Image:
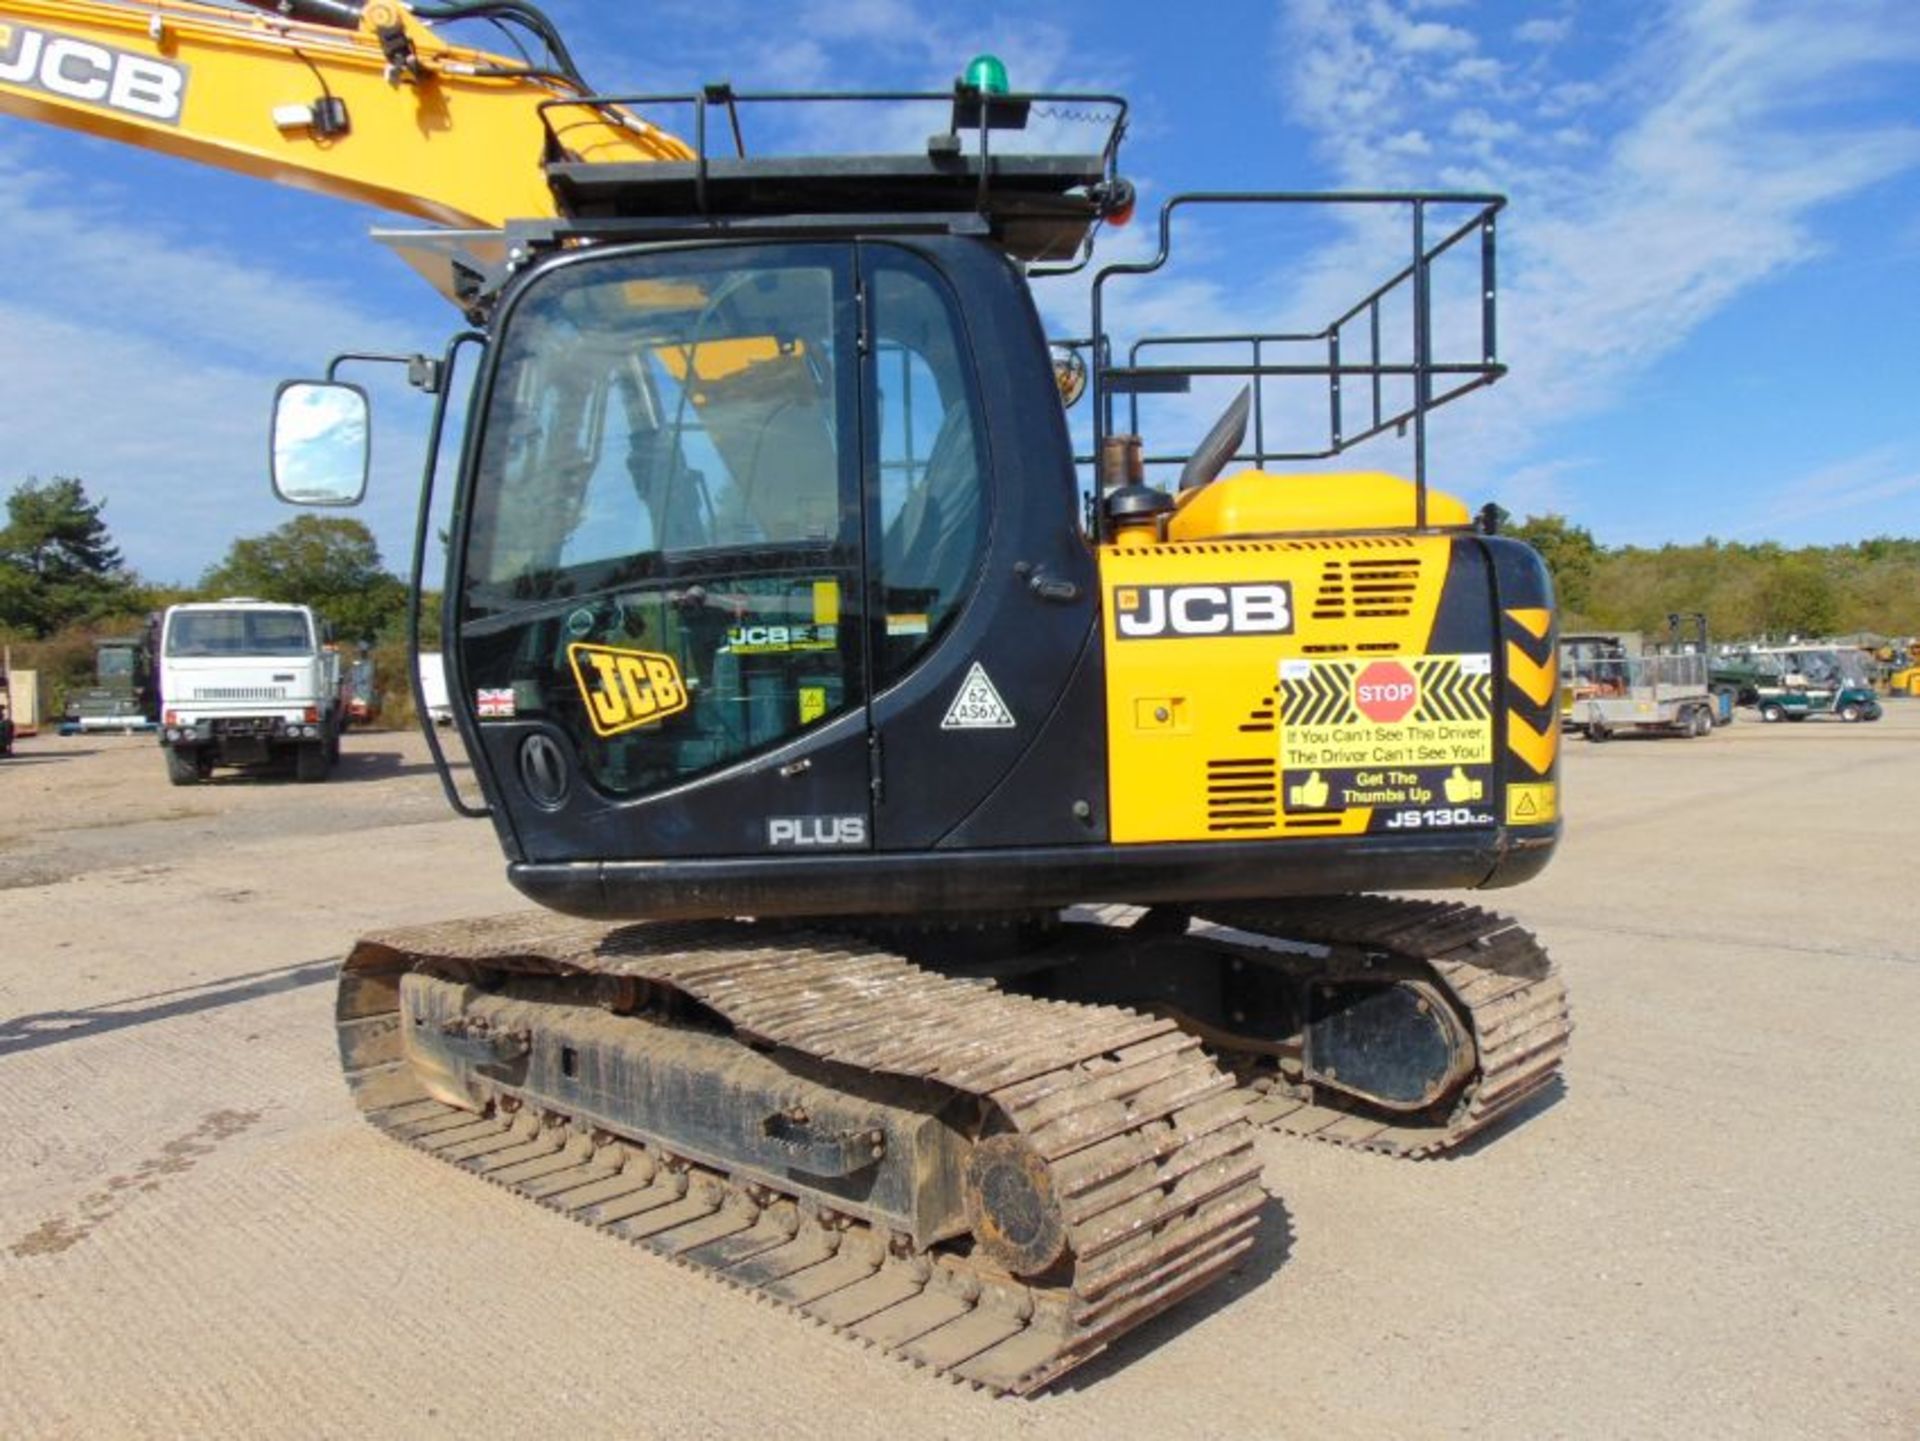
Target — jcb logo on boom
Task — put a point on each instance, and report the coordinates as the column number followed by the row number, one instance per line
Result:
column 626, row 688
column 1149, row 612
column 95, row 74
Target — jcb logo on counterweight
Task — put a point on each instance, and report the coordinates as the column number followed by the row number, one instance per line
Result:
column 80, row 70
column 626, row 688
column 1150, row 612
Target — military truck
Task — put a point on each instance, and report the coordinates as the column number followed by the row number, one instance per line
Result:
column 123, row 696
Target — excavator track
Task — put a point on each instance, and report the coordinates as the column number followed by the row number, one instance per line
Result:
column 1139, row 1142
column 1491, row 968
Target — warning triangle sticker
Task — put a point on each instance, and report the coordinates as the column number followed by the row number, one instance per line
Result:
column 1525, row 806
column 978, row 706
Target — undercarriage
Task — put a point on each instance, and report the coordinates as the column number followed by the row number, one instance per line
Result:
column 991, row 1151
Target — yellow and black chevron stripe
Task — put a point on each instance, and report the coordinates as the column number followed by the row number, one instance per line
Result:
column 1324, row 696
column 1532, row 693
column 1449, row 693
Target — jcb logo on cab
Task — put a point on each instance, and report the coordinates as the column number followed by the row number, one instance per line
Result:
column 1147, row 612
column 626, row 688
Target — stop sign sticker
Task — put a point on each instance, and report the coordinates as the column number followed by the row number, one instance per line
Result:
column 1385, row 691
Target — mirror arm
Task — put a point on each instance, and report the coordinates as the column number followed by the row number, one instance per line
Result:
column 424, row 372
column 422, row 522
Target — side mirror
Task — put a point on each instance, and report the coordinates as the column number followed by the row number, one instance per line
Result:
column 320, row 443
column 1069, row 374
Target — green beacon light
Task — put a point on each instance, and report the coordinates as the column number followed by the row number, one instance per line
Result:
column 987, row 74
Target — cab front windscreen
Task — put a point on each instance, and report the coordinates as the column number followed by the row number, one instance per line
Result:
column 239, row 632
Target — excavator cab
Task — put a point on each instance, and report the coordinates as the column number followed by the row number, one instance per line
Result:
column 725, row 501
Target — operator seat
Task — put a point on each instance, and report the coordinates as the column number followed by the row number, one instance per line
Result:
column 933, row 543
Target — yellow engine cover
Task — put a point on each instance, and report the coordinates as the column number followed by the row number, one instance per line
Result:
column 1282, row 688
column 1253, row 503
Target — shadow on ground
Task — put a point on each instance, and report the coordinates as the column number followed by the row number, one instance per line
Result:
column 52, row 1028
column 377, row 766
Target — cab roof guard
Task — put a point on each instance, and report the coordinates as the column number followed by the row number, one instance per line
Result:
column 1349, row 346
column 1039, row 203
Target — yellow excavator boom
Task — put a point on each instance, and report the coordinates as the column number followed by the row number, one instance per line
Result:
column 375, row 107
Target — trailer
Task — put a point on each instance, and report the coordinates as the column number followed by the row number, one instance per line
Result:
column 1660, row 693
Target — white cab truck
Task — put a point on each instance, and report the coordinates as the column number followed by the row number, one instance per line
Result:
column 247, row 682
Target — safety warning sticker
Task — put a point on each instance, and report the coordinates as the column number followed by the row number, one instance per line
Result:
column 977, row 705
column 1535, row 804
column 1409, row 738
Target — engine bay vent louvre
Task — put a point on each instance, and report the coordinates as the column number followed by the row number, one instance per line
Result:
column 1382, row 588
column 1262, row 719
column 1243, row 795
column 1330, row 600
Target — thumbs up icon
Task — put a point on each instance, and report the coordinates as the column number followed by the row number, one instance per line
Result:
column 1460, row 787
column 1309, row 795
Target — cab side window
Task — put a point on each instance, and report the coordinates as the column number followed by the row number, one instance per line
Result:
column 932, row 460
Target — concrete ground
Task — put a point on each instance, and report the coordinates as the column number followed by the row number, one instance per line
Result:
column 1712, row 1231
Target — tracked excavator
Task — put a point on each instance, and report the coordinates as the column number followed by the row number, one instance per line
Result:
column 943, row 874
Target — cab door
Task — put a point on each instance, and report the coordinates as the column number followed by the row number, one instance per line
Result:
column 986, row 690
column 661, row 600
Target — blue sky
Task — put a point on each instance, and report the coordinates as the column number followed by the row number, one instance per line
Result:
column 1710, row 264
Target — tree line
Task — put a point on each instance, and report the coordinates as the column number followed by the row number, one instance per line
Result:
column 1745, row 591
column 63, row 583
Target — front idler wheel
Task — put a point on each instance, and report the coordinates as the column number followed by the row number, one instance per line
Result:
column 1012, row 1208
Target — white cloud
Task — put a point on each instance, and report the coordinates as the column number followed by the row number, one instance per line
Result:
column 1543, row 31
column 142, row 359
column 1415, row 37
column 1564, row 99
column 1850, row 484
column 1542, row 488
column 1704, row 178
column 1478, row 128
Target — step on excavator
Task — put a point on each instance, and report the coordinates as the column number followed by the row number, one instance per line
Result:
column 943, row 874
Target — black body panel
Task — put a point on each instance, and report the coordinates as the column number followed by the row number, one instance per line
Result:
column 1065, row 769
column 1025, row 877
column 1034, row 606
